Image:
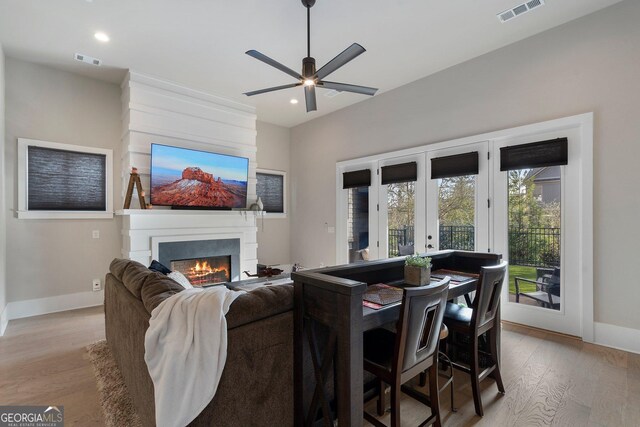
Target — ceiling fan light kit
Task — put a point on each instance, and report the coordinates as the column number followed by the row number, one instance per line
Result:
column 310, row 78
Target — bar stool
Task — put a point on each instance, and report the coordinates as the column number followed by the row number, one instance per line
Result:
column 395, row 358
column 448, row 366
column 473, row 322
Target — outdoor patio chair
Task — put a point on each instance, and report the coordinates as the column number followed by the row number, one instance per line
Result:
column 547, row 291
column 405, row 249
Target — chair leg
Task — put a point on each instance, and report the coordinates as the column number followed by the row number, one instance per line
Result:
column 423, row 379
column 475, row 381
column 395, row 404
column 493, row 347
column 434, row 393
column 382, row 406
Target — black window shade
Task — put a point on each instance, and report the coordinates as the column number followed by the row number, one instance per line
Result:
column 404, row 172
column 456, row 165
column 361, row 178
column 61, row 180
column 270, row 189
column 553, row 152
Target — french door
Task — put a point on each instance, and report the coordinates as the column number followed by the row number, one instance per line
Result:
column 535, row 234
column 401, row 206
column 457, row 190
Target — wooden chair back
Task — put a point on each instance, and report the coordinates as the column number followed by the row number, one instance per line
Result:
column 419, row 325
column 487, row 300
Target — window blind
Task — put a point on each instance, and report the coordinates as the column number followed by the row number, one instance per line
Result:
column 360, row 178
column 270, row 189
column 404, row 172
column 61, row 180
column 553, row 152
column 456, row 165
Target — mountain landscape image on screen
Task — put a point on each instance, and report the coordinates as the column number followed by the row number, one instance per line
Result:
column 181, row 177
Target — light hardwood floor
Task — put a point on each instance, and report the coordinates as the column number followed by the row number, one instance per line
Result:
column 549, row 379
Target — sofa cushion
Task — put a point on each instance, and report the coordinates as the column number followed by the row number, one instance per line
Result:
column 259, row 304
column 131, row 273
column 118, row 266
column 156, row 288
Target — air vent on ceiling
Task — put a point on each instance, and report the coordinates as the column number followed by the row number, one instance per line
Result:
column 87, row 59
column 331, row 93
column 519, row 10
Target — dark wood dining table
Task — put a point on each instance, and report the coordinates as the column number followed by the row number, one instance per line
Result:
column 329, row 321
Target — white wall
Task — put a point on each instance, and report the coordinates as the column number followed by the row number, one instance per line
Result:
column 273, row 233
column 49, row 258
column 3, row 225
column 590, row 64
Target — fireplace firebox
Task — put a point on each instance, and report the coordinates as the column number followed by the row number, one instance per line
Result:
column 202, row 261
column 205, row 270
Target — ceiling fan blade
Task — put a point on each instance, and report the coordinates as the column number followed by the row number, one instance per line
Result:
column 271, row 89
column 264, row 58
column 310, row 97
column 345, row 87
column 345, row 56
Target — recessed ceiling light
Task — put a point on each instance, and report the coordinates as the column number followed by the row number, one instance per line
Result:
column 100, row 36
column 293, row 101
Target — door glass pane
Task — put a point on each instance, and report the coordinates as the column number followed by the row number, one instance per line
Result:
column 534, row 236
column 401, row 217
column 457, row 212
column 358, row 224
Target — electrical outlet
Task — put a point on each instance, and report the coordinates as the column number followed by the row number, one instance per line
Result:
column 97, row 285
column 95, row 234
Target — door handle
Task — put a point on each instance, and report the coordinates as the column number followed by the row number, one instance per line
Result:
column 429, row 237
column 429, row 246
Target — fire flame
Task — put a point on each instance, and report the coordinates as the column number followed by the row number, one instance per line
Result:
column 204, row 268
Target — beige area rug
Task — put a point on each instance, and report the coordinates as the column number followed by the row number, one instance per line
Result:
column 117, row 407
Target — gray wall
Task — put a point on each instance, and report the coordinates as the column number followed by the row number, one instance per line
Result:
column 57, row 257
column 3, row 210
column 591, row 64
column 273, row 233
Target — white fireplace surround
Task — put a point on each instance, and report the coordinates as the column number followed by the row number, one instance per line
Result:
column 144, row 230
column 157, row 111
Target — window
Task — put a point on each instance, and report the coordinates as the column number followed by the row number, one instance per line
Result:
column 271, row 188
column 63, row 181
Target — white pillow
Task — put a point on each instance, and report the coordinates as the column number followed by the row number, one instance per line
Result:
column 179, row 278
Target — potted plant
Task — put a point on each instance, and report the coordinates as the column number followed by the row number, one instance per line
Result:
column 417, row 270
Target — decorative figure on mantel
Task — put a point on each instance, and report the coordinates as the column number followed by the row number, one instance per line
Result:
column 134, row 178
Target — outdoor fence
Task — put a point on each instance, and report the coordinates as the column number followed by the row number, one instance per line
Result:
column 538, row 247
column 460, row 237
column 400, row 236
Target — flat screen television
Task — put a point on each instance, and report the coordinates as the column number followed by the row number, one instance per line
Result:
column 186, row 178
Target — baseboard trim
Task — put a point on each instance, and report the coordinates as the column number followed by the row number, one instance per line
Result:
column 618, row 337
column 4, row 320
column 39, row 306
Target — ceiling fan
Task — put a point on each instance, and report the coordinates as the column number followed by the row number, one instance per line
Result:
column 310, row 78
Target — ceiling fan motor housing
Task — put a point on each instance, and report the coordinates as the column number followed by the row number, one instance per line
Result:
column 308, row 67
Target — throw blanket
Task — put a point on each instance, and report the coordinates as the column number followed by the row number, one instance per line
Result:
column 185, row 351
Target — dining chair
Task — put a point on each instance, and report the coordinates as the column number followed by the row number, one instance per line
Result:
column 481, row 318
column 395, row 358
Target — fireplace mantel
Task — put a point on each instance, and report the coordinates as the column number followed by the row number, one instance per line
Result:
column 239, row 212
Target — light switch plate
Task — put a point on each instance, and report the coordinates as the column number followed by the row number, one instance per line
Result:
column 97, row 285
